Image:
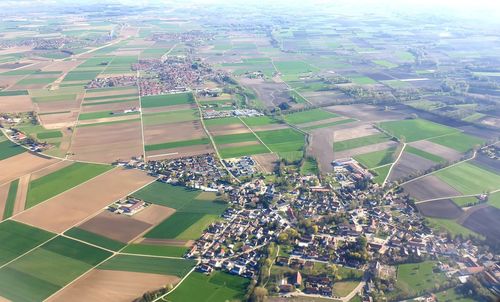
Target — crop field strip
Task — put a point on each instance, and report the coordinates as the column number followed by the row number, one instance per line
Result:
column 62, row 180
column 11, row 199
column 360, row 142
column 192, row 215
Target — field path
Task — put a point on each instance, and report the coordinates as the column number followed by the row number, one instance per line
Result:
column 394, row 164
column 22, row 193
column 255, row 135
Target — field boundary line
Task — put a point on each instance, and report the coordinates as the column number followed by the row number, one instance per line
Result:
column 255, row 135
column 75, row 125
column 394, row 164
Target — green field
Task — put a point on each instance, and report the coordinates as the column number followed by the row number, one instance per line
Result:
column 418, row 277
column 426, row 155
column 214, row 288
column 13, row 92
column 416, row 129
column 133, row 99
column 230, row 152
column 182, row 226
column 344, row 288
column 174, row 225
column 36, row 81
column 451, row 295
column 469, row 179
column 11, row 199
column 294, row 67
column 360, row 142
column 309, row 166
column 96, row 239
column 235, row 138
column 458, row 141
column 43, row 271
column 170, row 117
column 166, row 100
column 61, row 180
column 385, row 63
column 451, row 226
column 376, row 158
column 152, row 265
column 54, row 98
column 494, row 200
column 180, row 198
column 49, row 134
column 102, row 114
column 362, row 80
column 18, row 238
column 81, row 75
column 156, row 250
column 9, row 149
column 308, row 116
column 284, row 140
column 381, row 174
column 259, row 121
column 178, row 144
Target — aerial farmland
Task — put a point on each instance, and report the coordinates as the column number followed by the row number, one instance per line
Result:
column 248, row 152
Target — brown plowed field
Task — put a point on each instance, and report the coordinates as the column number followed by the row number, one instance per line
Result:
column 436, row 149
column 156, row 134
column 63, row 66
column 179, row 152
column 444, row 208
column 59, row 120
column 269, row 127
column 354, row 132
column 429, row 187
column 321, row 122
column 22, row 192
column 168, row 108
column 4, row 191
column 72, row 207
column 228, row 129
column 16, row 103
column 266, row 161
column 96, row 93
column 154, row 214
column 106, row 285
column 111, row 106
column 19, row 165
column 366, row 113
column 68, row 105
column 365, row 149
column 115, row 226
column 107, row 143
column 321, row 147
column 485, row 222
column 408, row 164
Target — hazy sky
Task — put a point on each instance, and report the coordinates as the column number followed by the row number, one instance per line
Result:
column 465, row 8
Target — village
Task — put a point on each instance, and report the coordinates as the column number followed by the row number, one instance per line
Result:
column 342, row 222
